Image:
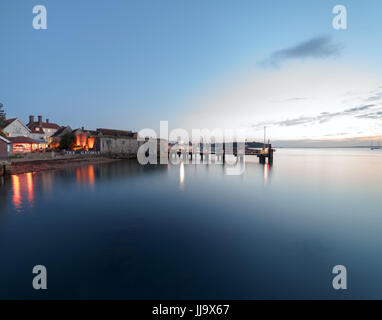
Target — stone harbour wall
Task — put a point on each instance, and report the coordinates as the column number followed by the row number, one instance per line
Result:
column 119, row 147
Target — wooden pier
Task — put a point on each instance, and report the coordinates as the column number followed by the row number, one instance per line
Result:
column 264, row 155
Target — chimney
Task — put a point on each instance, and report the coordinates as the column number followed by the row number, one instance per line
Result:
column 40, row 121
column 31, row 119
column 47, row 120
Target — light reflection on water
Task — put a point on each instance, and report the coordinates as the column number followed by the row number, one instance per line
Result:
column 181, row 175
column 193, row 232
column 85, row 176
column 267, row 167
column 23, row 191
column 16, row 192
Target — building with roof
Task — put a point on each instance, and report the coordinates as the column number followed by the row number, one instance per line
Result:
column 40, row 130
column 26, row 145
column 55, row 139
column 85, row 139
column 15, row 128
column 116, row 133
column 5, row 147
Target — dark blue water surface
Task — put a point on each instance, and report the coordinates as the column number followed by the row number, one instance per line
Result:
column 126, row 231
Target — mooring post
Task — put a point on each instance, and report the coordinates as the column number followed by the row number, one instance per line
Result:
column 4, row 171
column 270, row 153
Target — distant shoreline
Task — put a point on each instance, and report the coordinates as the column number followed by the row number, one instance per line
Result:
column 351, row 147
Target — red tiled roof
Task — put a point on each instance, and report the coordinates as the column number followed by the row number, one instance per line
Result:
column 60, row 131
column 112, row 132
column 8, row 122
column 45, row 125
column 23, row 140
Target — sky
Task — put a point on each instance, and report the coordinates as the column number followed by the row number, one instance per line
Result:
column 129, row 64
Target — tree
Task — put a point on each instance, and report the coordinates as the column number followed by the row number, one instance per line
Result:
column 67, row 141
column 2, row 115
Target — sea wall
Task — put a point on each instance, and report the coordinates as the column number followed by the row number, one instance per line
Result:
column 119, row 147
column 4, row 167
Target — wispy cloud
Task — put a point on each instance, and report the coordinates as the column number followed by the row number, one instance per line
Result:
column 375, row 97
column 352, row 110
column 323, row 117
column 316, row 48
column 375, row 115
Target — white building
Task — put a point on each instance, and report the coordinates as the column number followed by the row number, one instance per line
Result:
column 40, row 130
column 15, row 128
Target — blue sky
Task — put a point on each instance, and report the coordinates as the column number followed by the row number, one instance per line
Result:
column 129, row 64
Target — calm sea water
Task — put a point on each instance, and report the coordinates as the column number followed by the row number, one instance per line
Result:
column 124, row 231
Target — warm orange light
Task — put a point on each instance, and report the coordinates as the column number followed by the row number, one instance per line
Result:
column 78, row 140
column 54, row 144
column 22, row 148
column 91, row 142
column 78, row 176
column 16, row 191
column 83, row 140
column 30, row 188
column 91, row 176
column 85, row 175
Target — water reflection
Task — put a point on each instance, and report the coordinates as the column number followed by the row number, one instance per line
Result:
column 46, row 181
column 85, row 176
column 181, row 175
column 21, row 191
column 16, row 192
column 267, row 168
column 22, row 187
column 130, row 225
column 30, row 188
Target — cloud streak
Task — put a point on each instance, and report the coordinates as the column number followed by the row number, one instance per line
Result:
column 375, row 115
column 375, row 97
column 315, row 48
column 323, row 117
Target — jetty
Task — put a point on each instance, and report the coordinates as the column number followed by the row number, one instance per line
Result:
column 265, row 154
